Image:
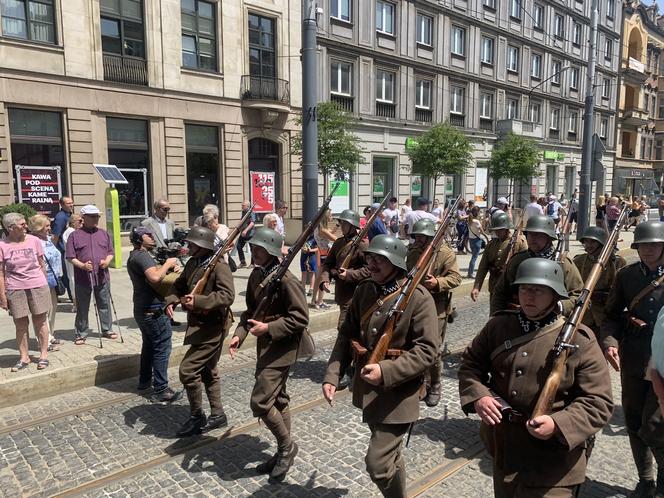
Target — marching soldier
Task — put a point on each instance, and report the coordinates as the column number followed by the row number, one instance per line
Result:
column 387, row 392
column 495, row 253
column 545, row 455
column 593, row 240
column 444, row 277
column 209, row 318
column 540, row 233
column 277, row 340
column 627, row 341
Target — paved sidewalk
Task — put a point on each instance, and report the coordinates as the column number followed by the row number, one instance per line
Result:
column 74, row 367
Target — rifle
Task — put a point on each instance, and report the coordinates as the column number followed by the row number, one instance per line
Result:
column 363, row 233
column 228, row 243
column 277, row 275
column 565, row 338
column 513, row 240
column 407, row 290
column 560, row 246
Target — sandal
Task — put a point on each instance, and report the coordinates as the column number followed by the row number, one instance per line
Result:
column 79, row 341
column 42, row 364
column 52, row 348
column 20, row 366
column 55, row 342
column 110, row 335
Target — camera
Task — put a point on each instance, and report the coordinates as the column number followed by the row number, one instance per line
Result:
column 174, row 247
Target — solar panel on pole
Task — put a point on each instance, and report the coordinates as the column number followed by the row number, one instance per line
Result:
column 110, row 174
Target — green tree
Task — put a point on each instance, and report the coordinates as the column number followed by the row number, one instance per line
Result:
column 443, row 150
column 339, row 150
column 23, row 209
column 516, row 158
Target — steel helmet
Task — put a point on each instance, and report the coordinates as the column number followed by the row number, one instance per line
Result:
column 351, row 217
column 595, row 233
column 424, row 226
column 268, row 239
column 648, row 231
column 391, row 247
column 202, row 237
column 542, row 271
column 500, row 221
column 542, row 224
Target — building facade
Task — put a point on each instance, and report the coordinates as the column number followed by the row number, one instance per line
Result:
column 486, row 66
column 186, row 97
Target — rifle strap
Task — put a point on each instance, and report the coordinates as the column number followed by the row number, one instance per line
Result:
column 522, row 339
column 644, row 292
column 366, row 316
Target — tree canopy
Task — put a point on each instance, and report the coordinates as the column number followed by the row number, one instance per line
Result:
column 515, row 157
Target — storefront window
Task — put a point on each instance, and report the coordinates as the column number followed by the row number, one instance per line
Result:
column 551, row 178
column 202, row 168
column 383, row 178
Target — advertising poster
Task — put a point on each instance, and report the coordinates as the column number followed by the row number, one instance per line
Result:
column 480, row 186
column 40, row 188
column 262, row 191
column 416, row 186
column 341, row 198
column 379, row 185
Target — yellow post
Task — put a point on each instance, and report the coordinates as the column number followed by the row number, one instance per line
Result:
column 113, row 224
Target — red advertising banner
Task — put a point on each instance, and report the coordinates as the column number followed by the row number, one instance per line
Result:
column 40, row 187
column 262, row 191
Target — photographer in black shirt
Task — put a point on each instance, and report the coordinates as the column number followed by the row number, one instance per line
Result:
column 149, row 314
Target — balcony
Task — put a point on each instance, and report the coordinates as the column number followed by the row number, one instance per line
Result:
column 345, row 102
column 386, row 110
column 265, row 93
column 486, row 124
column 634, row 71
column 424, row 115
column 518, row 127
column 458, row 120
column 125, row 70
column 634, row 117
column 554, row 134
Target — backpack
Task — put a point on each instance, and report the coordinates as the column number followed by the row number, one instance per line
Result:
column 549, row 209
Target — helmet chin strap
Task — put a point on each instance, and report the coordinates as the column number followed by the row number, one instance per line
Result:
column 554, row 304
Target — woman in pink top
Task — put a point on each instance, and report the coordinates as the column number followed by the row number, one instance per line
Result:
column 24, row 290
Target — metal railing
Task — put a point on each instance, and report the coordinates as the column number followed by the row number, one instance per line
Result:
column 424, row 115
column 458, row 120
column 125, row 70
column 343, row 101
column 486, row 124
column 386, row 110
column 264, row 88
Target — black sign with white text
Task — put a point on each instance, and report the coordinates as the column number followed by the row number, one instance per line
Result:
column 40, row 188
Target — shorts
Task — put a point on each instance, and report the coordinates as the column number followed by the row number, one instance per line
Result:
column 24, row 302
column 308, row 262
column 572, row 217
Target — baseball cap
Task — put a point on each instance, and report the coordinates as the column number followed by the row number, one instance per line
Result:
column 136, row 235
column 90, row 209
column 375, row 206
column 501, row 200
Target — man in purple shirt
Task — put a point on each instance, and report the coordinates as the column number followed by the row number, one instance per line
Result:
column 90, row 250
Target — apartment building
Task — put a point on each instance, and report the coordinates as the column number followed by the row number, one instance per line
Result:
column 486, row 66
column 189, row 98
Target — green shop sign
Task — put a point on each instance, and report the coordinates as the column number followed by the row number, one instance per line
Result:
column 411, row 143
column 553, row 155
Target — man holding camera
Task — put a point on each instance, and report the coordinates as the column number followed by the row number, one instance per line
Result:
column 159, row 224
column 149, row 315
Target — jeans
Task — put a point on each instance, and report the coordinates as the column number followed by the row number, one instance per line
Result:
column 475, row 246
column 241, row 242
column 462, row 233
column 103, row 298
column 156, row 332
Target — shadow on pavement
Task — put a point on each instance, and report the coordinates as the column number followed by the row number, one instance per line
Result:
column 314, row 370
column 616, row 426
column 309, row 489
column 162, row 421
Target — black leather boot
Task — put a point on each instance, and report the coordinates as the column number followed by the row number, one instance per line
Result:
column 192, row 426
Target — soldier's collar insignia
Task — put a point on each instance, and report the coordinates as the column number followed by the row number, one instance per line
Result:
column 528, row 325
column 546, row 253
column 389, row 288
column 659, row 271
column 266, row 270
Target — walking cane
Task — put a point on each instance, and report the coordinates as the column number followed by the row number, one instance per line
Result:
column 94, row 300
column 115, row 313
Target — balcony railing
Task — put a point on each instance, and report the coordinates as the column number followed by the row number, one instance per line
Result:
column 424, row 115
column 386, row 110
column 486, row 124
column 554, row 134
column 264, row 88
column 458, row 120
column 343, row 101
column 125, row 70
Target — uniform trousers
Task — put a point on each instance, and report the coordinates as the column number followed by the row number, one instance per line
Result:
column 434, row 370
column 198, row 369
column 384, row 462
column 343, row 311
column 269, row 402
column 516, row 489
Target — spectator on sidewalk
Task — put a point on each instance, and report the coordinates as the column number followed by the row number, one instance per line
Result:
column 500, row 205
column 612, row 212
column 23, row 287
column 221, row 231
column 308, row 264
column 159, row 225
column 90, row 250
column 462, row 226
column 391, row 215
column 271, row 221
column 246, row 233
column 553, row 208
column 437, row 209
column 325, row 237
column 475, row 233
column 280, row 208
column 378, row 226
column 60, row 223
column 573, row 213
column 75, row 222
column 600, row 211
column 533, row 208
column 421, row 212
column 403, row 213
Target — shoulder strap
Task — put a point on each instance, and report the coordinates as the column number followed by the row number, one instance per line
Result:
column 510, row 343
column 379, row 302
column 644, row 292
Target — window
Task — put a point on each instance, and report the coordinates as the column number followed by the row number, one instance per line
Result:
column 512, row 59
column 611, row 9
column 202, row 149
column 486, row 106
column 199, row 35
column 489, row 4
column 559, row 26
column 340, row 77
column 603, row 127
column 487, row 50
column 29, row 20
column 384, row 86
column 576, row 35
column 262, row 51
column 606, row 88
column 384, row 17
column 555, row 119
column 538, row 17
column 122, row 28
column 383, row 177
column 515, row 9
column 423, row 94
column 608, row 49
column 458, row 40
column 457, row 104
column 574, row 78
column 424, row 29
column 536, row 69
column 573, row 119
column 340, row 9
column 512, row 108
column 556, row 68
column 534, row 111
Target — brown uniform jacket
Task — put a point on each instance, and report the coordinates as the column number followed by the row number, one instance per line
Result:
column 356, row 272
column 582, row 406
column 397, row 400
column 493, row 260
column 502, row 295
column 446, row 271
column 212, row 317
column 287, row 316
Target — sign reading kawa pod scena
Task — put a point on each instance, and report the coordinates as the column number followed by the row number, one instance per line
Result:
column 40, row 187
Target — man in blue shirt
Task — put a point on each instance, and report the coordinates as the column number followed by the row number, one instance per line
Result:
column 60, row 223
column 378, row 226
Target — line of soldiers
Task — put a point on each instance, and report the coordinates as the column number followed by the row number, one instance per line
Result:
column 504, row 366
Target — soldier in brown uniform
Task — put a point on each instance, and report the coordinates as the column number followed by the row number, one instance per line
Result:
column 209, row 318
column 443, row 278
column 540, row 234
column 387, row 392
column 545, row 455
column 495, row 253
column 627, row 339
column 593, row 240
column 277, row 340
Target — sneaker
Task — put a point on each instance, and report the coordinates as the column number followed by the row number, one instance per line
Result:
column 215, row 421
column 192, row 426
column 284, row 462
column 166, row 396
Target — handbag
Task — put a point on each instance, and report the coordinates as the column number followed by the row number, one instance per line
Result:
column 60, row 288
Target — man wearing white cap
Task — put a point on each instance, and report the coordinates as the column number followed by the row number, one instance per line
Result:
column 90, row 251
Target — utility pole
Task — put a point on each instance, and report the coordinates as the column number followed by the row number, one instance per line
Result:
column 309, row 118
column 585, row 184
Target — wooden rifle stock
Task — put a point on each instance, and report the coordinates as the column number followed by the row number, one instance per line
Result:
column 513, row 241
column 228, row 243
column 564, row 344
column 560, row 246
column 363, row 232
column 407, row 290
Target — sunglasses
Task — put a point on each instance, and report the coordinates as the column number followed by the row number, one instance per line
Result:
column 167, row 209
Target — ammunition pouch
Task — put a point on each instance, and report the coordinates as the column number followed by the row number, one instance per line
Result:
column 636, row 327
column 361, row 354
